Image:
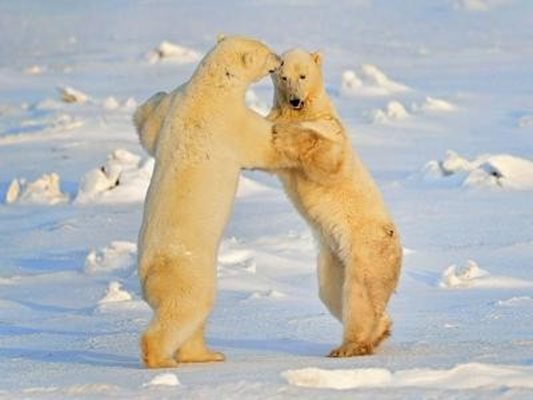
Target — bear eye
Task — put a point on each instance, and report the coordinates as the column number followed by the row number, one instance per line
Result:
column 284, row 78
column 302, row 76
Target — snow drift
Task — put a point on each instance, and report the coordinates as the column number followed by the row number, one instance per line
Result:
column 45, row 190
column 123, row 178
column 167, row 51
column 462, row 376
column 501, row 171
column 369, row 80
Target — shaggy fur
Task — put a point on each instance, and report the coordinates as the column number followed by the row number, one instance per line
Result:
column 201, row 135
column 360, row 253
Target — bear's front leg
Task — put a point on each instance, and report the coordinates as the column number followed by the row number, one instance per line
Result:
column 292, row 141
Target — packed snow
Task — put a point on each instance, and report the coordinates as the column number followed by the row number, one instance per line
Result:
column 410, row 80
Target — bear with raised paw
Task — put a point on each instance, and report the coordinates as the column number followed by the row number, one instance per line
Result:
column 360, row 252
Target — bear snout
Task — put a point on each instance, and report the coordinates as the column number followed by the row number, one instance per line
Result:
column 296, row 103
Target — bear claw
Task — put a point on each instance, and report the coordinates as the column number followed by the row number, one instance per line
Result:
column 351, row 350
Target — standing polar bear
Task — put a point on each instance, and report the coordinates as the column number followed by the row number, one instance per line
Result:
column 201, row 135
column 360, row 253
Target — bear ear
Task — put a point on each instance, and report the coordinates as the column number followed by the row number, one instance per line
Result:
column 247, row 59
column 317, row 57
column 220, row 37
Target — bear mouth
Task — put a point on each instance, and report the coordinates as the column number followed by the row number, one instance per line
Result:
column 296, row 104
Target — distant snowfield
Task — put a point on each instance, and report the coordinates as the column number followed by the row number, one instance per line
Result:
column 436, row 97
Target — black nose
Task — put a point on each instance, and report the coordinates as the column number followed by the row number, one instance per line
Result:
column 295, row 103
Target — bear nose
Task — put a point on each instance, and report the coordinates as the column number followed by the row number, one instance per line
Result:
column 296, row 103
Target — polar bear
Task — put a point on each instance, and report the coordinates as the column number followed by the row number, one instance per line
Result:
column 360, row 253
column 201, row 135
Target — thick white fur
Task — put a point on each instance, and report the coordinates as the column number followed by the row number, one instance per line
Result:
column 360, row 253
column 201, row 135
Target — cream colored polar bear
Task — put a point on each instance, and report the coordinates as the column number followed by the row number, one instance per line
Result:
column 360, row 252
column 201, row 134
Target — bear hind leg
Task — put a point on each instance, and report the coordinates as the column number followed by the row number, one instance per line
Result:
column 330, row 281
column 160, row 341
column 196, row 350
column 181, row 302
column 359, row 319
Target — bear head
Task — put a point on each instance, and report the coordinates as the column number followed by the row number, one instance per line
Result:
column 299, row 78
column 244, row 59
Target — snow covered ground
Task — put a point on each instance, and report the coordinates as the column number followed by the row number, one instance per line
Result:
column 438, row 98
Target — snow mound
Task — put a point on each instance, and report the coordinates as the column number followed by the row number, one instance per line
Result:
column 369, row 80
column 12, row 280
column 34, row 70
column 70, row 95
column 516, row 301
column 255, row 103
column 479, row 5
column 472, row 276
column 432, row 104
column 115, row 294
column 269, row 294
column 338, row 379
column 124, row 178
column 394, row 111
column 462, row 376
column 110, row 103
column 167, row 379
column 500, row 171
column 45, row 190
column 248, row 187
column 173, row 52
column 231, row 261
column 119, row 255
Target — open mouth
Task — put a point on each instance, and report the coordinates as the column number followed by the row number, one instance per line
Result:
column 296, row 104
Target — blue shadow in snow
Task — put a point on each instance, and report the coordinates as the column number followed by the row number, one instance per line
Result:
column 92, row 358
column 286, row 346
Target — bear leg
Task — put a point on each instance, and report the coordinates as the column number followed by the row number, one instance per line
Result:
column 330, row 281
column 169, row 328
column 382, row 330
column 358, row 318
column 195, row 349
column 181, row 296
